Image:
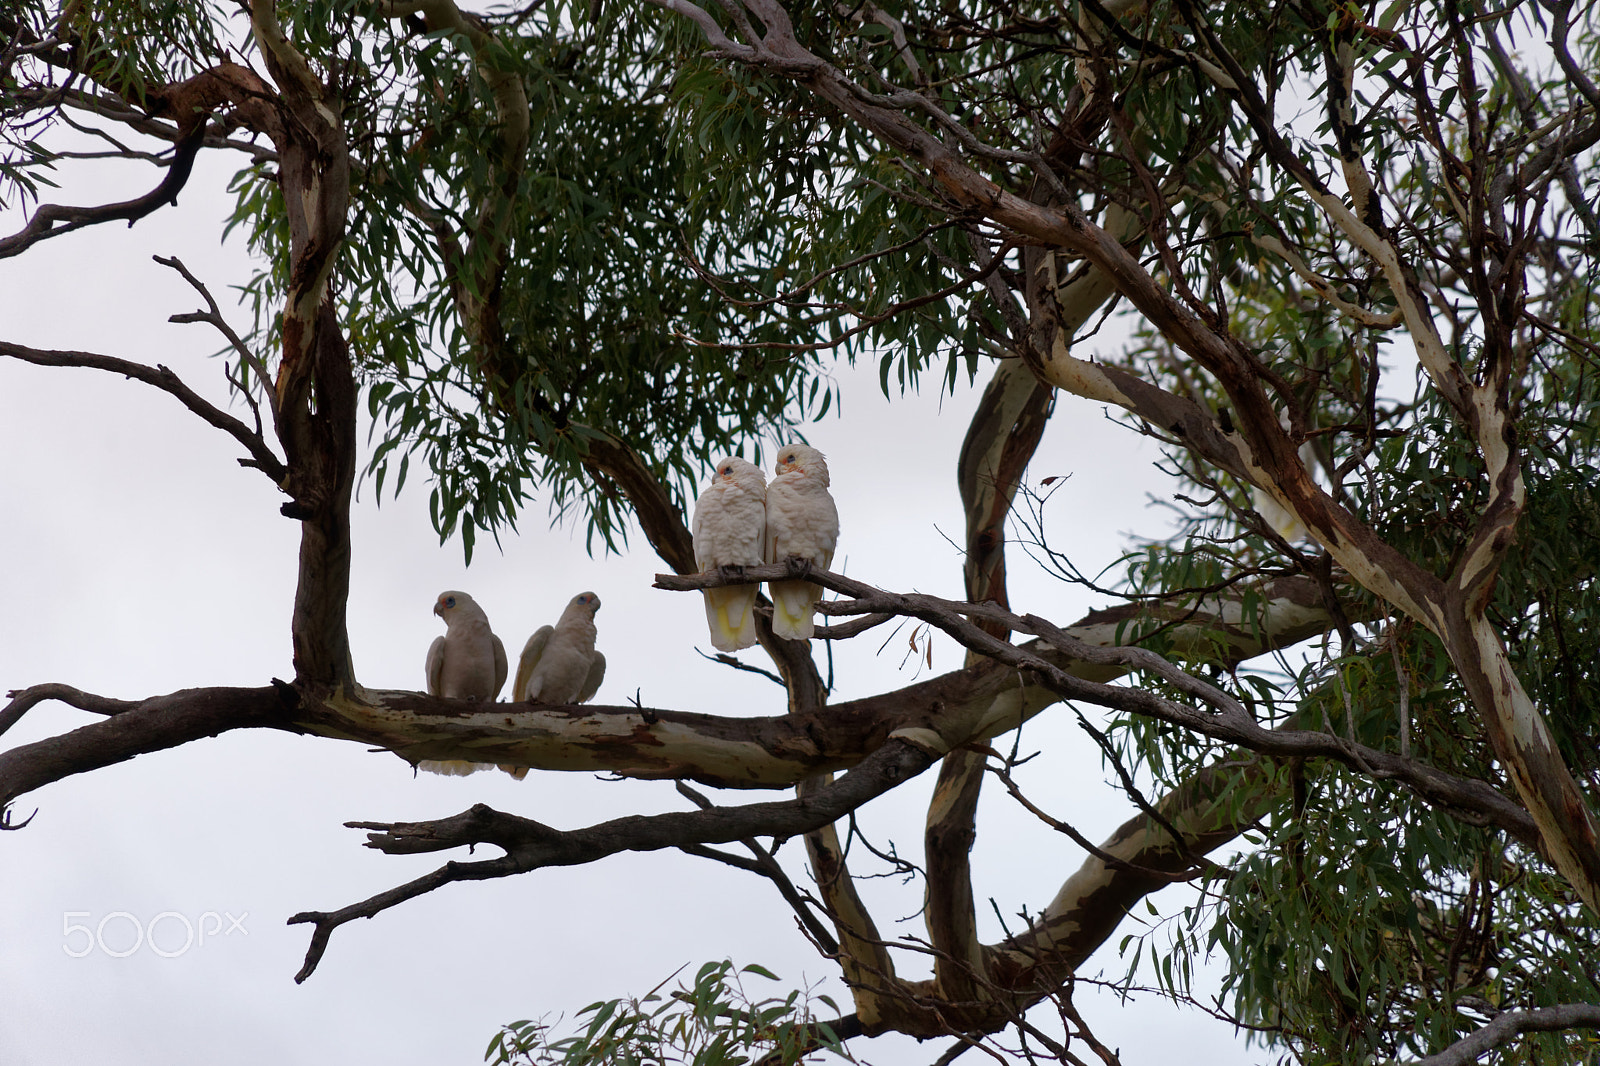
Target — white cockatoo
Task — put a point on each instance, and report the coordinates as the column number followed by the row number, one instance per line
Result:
column 559, row 663
column 467, row 663
column 1279, row 517
column 730, row 523
column 801, row 521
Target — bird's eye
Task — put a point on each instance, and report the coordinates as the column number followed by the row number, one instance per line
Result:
column 449, row 601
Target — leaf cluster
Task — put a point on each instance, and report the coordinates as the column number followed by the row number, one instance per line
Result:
column 712, row 1021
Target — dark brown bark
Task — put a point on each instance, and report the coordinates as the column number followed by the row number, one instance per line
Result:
column 530, row 845
column 137, row 729
column 320, row 442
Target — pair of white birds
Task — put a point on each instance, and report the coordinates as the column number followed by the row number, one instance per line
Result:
column 558, row 664
column 741, row 520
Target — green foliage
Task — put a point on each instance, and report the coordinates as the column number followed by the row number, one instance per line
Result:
column 120, row 45
column 668, row 257
column 711, row 1022
column 690, row 245
column 1360, row 924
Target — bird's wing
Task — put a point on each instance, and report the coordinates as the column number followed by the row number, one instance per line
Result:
column 698, row 532
column 500, row 667
column 774, row 527
column 591, row 684
column 780, row 502
column 802, row 522
column 1289, row 527
column 435, row 665
column 729, row 530
column 532, row 652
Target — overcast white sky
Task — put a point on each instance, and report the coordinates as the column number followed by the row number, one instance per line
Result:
column 137, row 558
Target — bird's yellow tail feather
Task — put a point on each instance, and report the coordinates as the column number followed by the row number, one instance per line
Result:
column 730, row 613
column 793, row 603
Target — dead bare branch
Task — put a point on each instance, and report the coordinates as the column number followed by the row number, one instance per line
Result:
column 530, row 845
column 261, row 456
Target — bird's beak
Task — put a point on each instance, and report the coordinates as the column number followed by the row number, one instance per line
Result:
column 438, row 609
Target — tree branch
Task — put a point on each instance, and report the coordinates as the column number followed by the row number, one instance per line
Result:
column 24, row 700
column 54, row 220
column 765, row 864
column 261, row 456
column 530, row 845
column 145, row 726
column 1226, row 720
column 1511, row 1024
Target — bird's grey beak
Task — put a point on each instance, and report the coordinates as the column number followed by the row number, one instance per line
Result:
column 438, row 609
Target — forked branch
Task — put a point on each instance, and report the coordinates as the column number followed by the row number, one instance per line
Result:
column 261, row 456
column 1224, row 718
column 530, row 845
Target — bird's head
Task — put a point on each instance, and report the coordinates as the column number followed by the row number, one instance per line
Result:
column 449, row 602
column 803, row 458
column 733, row 470
column 587, row 600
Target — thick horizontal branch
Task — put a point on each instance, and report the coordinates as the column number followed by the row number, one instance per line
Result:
column 940, row 714
column 132, row 729
column 776, row 751
column 772, row 752
column 261, row 456
column 530, row 845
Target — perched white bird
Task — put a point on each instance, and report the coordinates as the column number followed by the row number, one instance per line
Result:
column 1280, row 518
column 1277, row 516
column 559, row 663
column 730, row 522
column 801, row 521
column 467, row 663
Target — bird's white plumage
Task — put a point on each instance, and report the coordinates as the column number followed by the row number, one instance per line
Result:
column 730, row 521
column 559, row 663
column 467, row 663
column 1279, row 517
column 801, row 521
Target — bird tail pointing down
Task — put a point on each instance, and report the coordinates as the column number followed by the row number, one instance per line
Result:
column 730, row 612
column 793, row 603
